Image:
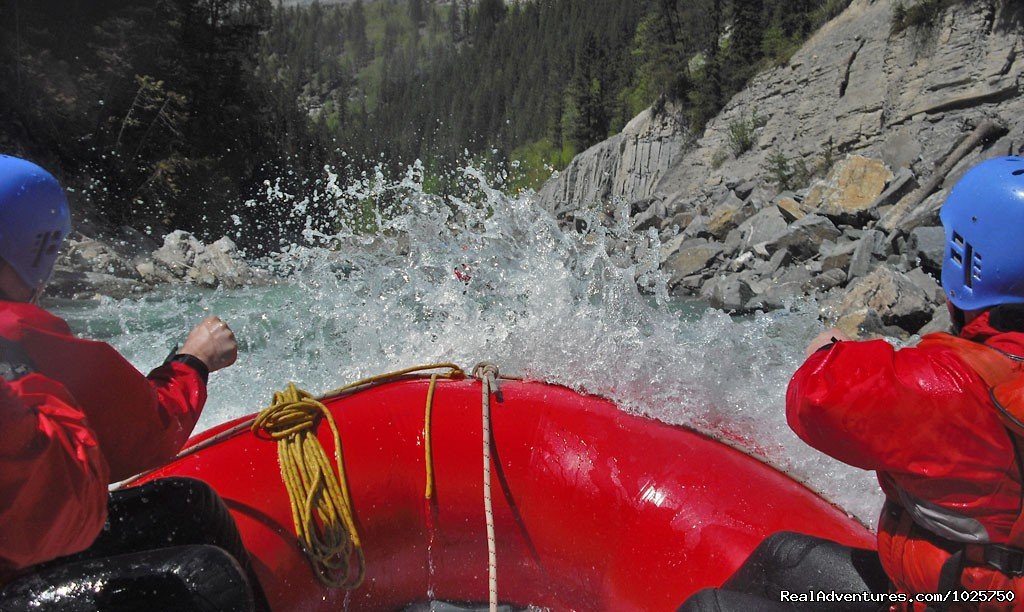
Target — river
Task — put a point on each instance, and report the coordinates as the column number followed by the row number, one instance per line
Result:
column 491, row 278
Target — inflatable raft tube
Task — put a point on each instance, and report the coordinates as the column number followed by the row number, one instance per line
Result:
column 594, row 509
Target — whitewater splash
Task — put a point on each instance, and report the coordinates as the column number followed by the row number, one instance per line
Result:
column 489, row 277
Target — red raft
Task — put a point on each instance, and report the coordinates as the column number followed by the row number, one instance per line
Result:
column 594, row 509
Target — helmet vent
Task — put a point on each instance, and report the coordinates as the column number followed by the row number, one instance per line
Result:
column 1017, row 172
column 968, row 253
column 956, row 249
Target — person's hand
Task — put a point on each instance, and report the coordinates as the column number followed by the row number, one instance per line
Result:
column 829, row 336
column 212, row 342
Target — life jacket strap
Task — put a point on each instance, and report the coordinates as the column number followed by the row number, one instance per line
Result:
column 1007, row 560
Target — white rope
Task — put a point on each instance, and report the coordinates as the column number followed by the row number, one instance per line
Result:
column 487, row 374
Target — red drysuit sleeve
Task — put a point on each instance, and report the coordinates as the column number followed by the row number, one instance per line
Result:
column 140, row 422
column 919, row 414
column 53, row 477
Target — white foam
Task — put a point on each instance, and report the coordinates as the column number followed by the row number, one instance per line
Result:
column 541, row 301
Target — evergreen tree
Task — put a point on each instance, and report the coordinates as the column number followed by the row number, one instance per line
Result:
column 588, row 95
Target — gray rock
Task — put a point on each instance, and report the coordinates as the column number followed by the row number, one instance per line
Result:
column 690, row 261
column 866, row 323
column 84, row 284
column 178, row 253
column 628, row 165
column 671, row 246
column 689, row 285
column 643, row 204
column 698, row 227
column 903, row 183
column 744, row 189
column 928, row 245
column 727, row 215
column 777, row 261
column 928, row 283
column 925, row 214
column 898, row 300
column 731, row 293
column 775, row 296
column 764, row 227
column 941, row 322
column 91, row 255
column 804, row 237
column 838, row 256
column 185, row 258
column 869, row 249
column 680, row 220
column 219, row 265
column 825, row 281
column 649, row 217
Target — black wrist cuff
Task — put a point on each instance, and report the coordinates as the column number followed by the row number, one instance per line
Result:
column 193, row 362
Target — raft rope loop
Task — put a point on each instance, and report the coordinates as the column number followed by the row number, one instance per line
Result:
column 320, row 500
column 488, row 373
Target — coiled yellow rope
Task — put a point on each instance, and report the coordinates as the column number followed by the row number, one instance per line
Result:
column 320, row 501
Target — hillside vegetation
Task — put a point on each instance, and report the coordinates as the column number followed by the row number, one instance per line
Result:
column 166, row 114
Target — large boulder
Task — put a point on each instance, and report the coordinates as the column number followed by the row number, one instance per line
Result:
column 184, row 258
column 790, row 207
column 727, row 215
column 89, row 254
column 897, row 299
column 731, row 293
column 84, row 284
column 837, row 255
column 763, row 228
column 804, row 237
column 867, row 251
column 850, row 189
column 177, row 254
column 219, row 264
column 691, row 260
column 927, row 245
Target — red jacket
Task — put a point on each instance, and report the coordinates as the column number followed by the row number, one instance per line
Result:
column 922, row 418
column 83, row 419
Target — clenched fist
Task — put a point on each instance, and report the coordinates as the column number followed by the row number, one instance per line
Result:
column 212, row 342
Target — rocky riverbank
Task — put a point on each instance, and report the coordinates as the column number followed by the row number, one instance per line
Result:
column 122, row 263
column 823, row 177
column 828, row 242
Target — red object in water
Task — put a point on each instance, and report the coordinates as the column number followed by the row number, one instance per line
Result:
column 595, row 509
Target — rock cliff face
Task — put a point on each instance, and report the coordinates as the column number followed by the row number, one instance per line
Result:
column 906, row 99
column 886, row 122
column 627, row 166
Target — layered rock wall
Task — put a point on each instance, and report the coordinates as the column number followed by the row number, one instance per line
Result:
column 855, row 144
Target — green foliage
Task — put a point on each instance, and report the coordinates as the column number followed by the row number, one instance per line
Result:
column 743, row 132
column 920, row 14
column 151, row 111
column 202, row 101
column 787, row 173
column 533, row 163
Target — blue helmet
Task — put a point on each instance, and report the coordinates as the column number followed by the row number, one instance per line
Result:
column 34, row 219
column 984, row 222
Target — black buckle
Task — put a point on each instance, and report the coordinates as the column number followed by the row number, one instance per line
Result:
column 1007, row 559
